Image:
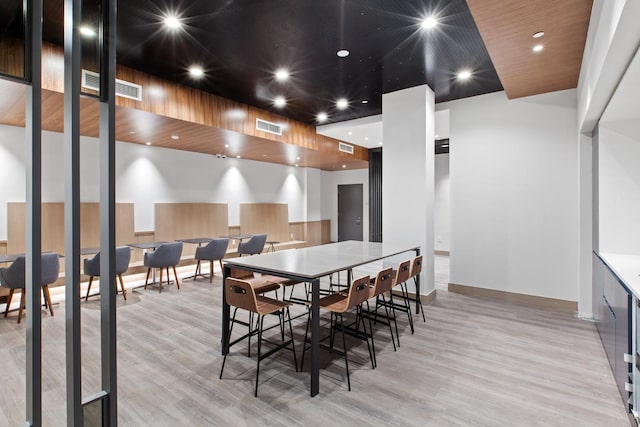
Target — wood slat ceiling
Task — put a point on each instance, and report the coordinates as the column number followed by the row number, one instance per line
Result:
column 158, row 129
column 507, row 28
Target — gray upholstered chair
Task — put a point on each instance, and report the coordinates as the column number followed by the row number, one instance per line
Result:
column 253, row 246
column 214, row 250
column 13, row 277
column 166, row 255
column 92, row 268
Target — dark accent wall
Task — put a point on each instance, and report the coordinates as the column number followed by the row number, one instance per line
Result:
column 375, row 195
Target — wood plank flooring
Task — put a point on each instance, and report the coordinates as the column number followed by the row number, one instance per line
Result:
column 474, row 363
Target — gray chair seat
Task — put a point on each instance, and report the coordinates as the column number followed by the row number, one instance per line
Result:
column 92, row 268
column 166, row 255
column 253, row 246
column 13, row 277
column 215, row 250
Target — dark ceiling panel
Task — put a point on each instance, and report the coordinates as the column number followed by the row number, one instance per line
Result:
column 240, row 43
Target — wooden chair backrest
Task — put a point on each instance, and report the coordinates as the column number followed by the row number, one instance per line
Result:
column 358, row 291
column 383, row 281
column 404, row 272
column 416, row 266
column 240, row 293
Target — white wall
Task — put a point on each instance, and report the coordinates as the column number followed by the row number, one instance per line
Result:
column 148, row 175
column 619, row 193
column 330, row 182
column 408, row 173
column 441, row 204
column 515, row 193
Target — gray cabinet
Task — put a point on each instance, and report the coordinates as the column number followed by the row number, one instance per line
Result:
column 613, row 321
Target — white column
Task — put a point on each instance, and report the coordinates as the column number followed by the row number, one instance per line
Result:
column 408, row 173
column 585, row 288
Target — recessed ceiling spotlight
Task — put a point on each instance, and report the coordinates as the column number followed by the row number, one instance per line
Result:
column 132, row 133
column 342, row 103
column 464, row 75
column 538, row 34
column 436, row 135
column 366, row 138
column 322, row 117
column 196, row 71
column 343, row 53
column 87, row 31
column 226, row 145
column 237, row 157
column 172, row 22
column 380, row 143
column 538, row 48
column 296, row 165
column 279, row 101
column 344, row 166
column 350, row 133
column 148, row 143
column 282, row 75
column 175, row 137
column 364, row 101
column 429, row 23
column 297, row 158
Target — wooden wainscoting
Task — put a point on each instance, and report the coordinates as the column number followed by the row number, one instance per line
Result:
column 189, row 220
column 313, row 232
column 269, row 218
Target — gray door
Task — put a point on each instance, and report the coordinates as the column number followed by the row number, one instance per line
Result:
column 350, row 212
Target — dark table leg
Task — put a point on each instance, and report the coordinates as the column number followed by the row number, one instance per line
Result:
column 225, row 312
column 418, row 287
column 315, row 337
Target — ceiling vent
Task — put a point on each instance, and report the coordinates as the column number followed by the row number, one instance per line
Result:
column 91, row 80
column 345, row 148
column 268, row 127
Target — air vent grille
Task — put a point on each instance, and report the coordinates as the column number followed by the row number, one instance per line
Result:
column 345, row 148
column 268, row 127
column 91, row 80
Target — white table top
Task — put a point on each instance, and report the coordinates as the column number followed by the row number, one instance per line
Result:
column 627, row 268
column 318, row 261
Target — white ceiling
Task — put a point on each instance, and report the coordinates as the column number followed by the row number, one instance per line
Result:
column 367, row 131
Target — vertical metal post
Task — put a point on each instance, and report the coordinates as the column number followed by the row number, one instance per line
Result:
column 226, row 272
column 34, row 211
column 418, row 286
column 315, row 337
column 72, row 57
column 107, row 211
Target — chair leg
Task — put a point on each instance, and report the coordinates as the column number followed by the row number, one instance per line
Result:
column 386, row 311
column 260, row 322
column 124, row 291
column 146, row 281
column 195, row 275
column 420, row 301
column 160, row 280
column 293, row 347
column 221, row 267
column 407, row 304
column 174, row 275
column 86, row 298
column 344, row 346
column 22, row 302
column 374, row 362
column 211, row 271
column 304, row 344
column 6, row 309
column 47, row 297
column 395, row 322
column 224, row 359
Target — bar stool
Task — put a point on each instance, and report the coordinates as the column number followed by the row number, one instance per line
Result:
column 241, row 294
column 338, row 304
column 382, row 284
column 416, row 269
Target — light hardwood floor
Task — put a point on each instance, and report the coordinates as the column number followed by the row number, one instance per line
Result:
column 474, row 363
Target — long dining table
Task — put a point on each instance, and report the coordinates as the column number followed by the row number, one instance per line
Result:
column 310, row 265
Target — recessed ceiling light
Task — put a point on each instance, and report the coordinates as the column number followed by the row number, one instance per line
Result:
column 148, row 143
column 436, row 135
column 172, row 22
column 296, row 165
column 237, row 157
column 196, row 71
column 297, row 158
column 226, row 145
column 538, row 48
column 366, row 138
column 364, row 101
column 322, row 117
column 282, row 75
column 175, row 137
column 380, row 143
column 132, row 133
column 538, row 34
column 342, row 103
column 350, row 133
column 87, row 31
column 464, row 75
column 344, row 166
column 429, row 22
column 343, row 53
column 279, row 101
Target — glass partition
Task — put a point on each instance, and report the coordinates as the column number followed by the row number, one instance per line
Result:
column 12, row 39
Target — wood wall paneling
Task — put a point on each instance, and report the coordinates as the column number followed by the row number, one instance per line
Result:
column 189, row 220
column 269, row 218
column 12, row 56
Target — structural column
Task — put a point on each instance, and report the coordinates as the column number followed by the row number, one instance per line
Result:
column 408, row 173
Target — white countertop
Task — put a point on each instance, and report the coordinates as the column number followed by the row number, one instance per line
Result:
column 627, row 268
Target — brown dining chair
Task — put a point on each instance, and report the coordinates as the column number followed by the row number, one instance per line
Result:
column 241, row 294
column 378, row 288
column 338, row 304
column 416, row 269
